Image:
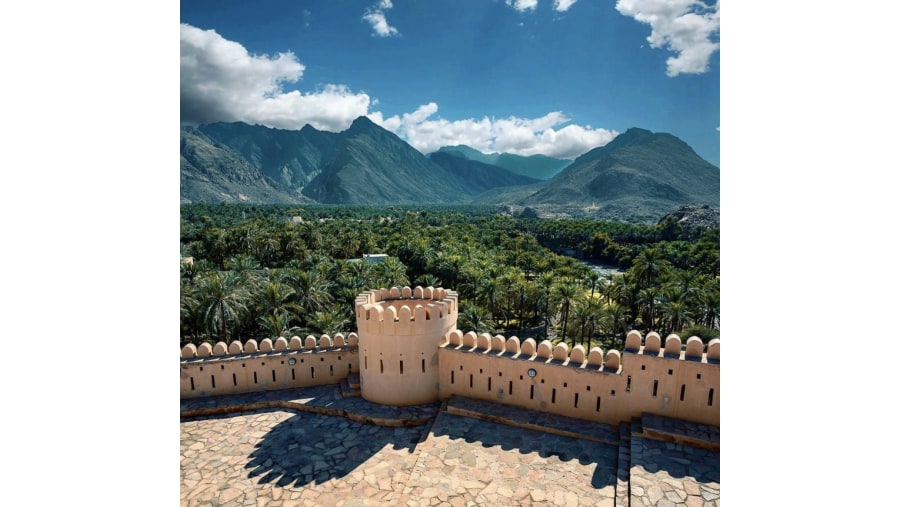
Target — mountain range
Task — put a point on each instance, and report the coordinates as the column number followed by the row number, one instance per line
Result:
column 637, row 173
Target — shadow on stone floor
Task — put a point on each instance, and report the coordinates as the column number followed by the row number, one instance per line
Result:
column 311, row 447
column 526, row 441
column 678, row 461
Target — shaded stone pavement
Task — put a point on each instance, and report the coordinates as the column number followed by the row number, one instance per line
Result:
column 277, row 457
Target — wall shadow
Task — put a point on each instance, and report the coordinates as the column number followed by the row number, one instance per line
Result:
column 310, row 447
column 526, row 441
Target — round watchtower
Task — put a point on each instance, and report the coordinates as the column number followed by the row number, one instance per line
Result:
column 399, row 333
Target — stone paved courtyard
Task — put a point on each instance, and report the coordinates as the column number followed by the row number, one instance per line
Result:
column 279, row 457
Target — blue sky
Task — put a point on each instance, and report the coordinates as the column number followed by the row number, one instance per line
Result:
column 520, row 76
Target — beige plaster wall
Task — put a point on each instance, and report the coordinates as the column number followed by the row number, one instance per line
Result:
column 573, row 386
column 254, row 370
column 399, row 334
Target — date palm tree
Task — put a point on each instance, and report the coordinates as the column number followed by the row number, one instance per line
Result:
column 564, row 295
column 223, row 299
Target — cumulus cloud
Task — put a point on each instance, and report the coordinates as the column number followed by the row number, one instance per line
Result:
column 221, row 81
column 376, row 19
column 522, row 136
column 562, row 5
column 523, row 5
column 681, row 26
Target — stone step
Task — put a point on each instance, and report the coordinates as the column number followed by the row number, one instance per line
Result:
column 353, row 380
column 679, row 431
column 623, row 473
column 348, row 391
column 531, row 419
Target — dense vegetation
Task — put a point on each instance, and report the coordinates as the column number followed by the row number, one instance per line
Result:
column 256, row 274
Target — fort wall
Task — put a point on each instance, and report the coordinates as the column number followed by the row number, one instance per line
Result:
column 408, row 352
column 399, row 333
column 212, row 370
column 610, row 389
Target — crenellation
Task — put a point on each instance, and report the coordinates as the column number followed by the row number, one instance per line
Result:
column 545, row 350
column 325, row 342
column 281, row 344
column 296, row 343
column 613, row 360
column 633, row 342
column 250, row 346
column 652, row 343
column 560, row 352
column 595, row 357
column 204, row 350
column 338, row 340
column 673, row 346
column 712, row 351
column 528, row 347
column 236, row 347
column 310, row 342
column 405, row 292
column 266, row 345
column 469, row 340
column 220, row 349
column 694, row 349
column 498, row 344
column 513, row 346
column 576, row 358
column 189, row 351
column 483, row 342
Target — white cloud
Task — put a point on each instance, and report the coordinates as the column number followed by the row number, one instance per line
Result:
column 681, row 26
column 563, row 5
column 522, row 136
column 376, row 19
column 523, row 5
column 221, row 81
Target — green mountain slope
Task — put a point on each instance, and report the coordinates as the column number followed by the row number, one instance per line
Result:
column 639, row 171
column 371, row 165
column 290, row 157
column 477, row 177
column 540, row 167
column 212, row 173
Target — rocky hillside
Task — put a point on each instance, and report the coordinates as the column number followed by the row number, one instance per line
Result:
column 639, row 171
column 213, row 173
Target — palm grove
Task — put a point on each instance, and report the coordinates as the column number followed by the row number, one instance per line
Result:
column 257, row 274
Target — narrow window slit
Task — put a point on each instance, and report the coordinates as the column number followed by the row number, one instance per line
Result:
column 682, row 392
column 655, row 386
column 213, row 377
column 709, row 401
column 553, row 396
column 576, row 400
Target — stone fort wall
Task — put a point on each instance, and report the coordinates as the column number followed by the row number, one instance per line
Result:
column 649, row 378
column 210, row 370
column 408, row 342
